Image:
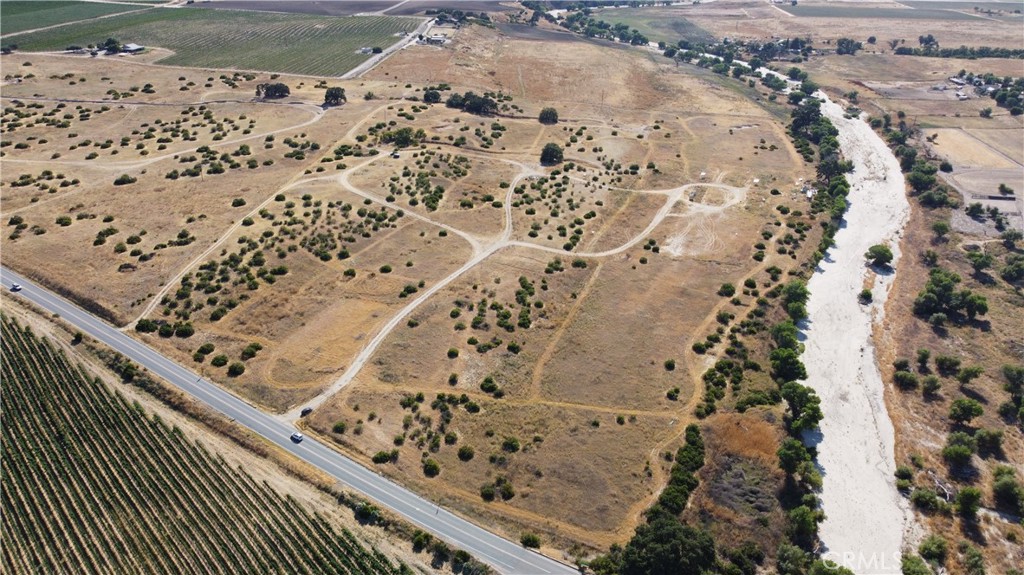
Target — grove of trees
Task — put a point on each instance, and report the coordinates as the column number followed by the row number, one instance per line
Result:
column 472, row 103
column 271, row 91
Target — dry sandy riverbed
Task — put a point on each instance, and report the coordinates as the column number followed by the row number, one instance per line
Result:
column 867, row 521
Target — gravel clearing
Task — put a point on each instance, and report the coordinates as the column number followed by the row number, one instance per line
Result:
column 867, row 520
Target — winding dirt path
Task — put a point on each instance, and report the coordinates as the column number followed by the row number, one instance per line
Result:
column 481, row 253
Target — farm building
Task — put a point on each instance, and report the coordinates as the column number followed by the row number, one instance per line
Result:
column 436, row 39
column 132, row 48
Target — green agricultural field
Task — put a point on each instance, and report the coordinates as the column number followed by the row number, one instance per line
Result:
column 875, row 13
column 16, row 16
column 91, row 484
column 658, row 24
column 288, row 43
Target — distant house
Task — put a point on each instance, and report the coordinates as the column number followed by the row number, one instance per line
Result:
column 436, row 39
column 132, row 48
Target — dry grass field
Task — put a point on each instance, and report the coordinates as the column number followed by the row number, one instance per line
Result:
column 564, row 299
column 566, row 384
column 826, row 21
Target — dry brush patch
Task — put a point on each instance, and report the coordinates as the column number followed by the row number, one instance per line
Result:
column 528, row 458
column 741, row 481
column 347, row 267
column 137, row 248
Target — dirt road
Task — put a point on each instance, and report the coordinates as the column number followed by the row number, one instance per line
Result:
column 867, row 521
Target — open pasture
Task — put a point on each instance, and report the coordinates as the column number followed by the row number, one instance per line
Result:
column 241, row 40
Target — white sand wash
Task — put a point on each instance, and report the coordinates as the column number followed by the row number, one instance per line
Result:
column 867, row 521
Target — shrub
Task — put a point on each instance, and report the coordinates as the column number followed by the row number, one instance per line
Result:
column 964, row 410
column 913, row 565
column 548, row 116
column 905, row 379
column 990, row 441
column 934, row 549
column 510, row 444
column 947, row 365
column 250, row 350
column 453, row 353
column 959, row 448
column 922, row 358
column 219, row 361
column 466, row 453
column 727, row 290
column 879, row 255
column 487, row 492
column 339, row 427
column 1007, row 491
column 124, row 179
column 926, row 500
column 968, row 501
column 973, row 560
column 968, row 374
column 670, row 365
column 146, row 326
column 237, row 202
column 431, row 468
column 236, row 369
column 530, row 540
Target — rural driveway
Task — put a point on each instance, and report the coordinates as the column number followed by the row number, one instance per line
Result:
column 378, row 58
column 505, row 556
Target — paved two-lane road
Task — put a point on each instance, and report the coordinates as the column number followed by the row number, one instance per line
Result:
column 502, row 554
